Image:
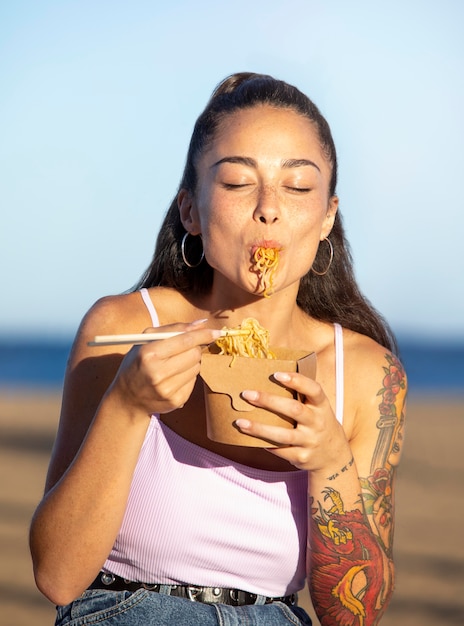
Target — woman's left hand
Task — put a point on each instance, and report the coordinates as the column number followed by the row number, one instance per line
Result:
column 318, row 441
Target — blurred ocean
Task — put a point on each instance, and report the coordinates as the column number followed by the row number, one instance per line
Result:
column 432, row 367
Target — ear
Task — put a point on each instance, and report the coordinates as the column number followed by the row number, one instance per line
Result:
column 329, row 217
column 188, row 212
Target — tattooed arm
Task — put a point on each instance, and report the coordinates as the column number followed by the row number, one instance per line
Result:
column 351, row 475
column 350, row 549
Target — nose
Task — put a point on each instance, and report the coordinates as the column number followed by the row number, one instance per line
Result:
column 267, row 209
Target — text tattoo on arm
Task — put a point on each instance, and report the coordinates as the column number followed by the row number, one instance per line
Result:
column 343, row 469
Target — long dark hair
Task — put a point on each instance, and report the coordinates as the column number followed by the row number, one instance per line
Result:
column 333, row 297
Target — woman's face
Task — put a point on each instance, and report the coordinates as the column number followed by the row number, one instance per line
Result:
column 262, row 181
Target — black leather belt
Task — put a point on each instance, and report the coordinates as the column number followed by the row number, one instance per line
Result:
column 208, row 595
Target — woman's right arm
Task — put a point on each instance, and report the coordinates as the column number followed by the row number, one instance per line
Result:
column 107, row 402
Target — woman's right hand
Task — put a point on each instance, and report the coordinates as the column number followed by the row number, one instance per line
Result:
column 159, row 376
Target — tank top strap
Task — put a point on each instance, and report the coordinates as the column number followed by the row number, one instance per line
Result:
column 339, row 373
column 150, row 307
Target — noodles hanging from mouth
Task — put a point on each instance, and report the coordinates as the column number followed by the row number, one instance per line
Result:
column 265, row 262
column 254, row 342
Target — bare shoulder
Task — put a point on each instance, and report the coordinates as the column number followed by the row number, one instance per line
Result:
column 126, row 313
column 365, row 357
column 110, row 315
column 172, row 306
column 363, row 354
column 116, row 314
column 376, row 386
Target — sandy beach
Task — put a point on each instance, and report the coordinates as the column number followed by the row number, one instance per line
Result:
column 429, row 537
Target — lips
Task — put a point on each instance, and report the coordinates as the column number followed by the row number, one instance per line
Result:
column 266, row 243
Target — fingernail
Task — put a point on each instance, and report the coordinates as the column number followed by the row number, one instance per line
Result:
column 199, row 322
column 242, row 424
column 282, row 377
column 249, row 395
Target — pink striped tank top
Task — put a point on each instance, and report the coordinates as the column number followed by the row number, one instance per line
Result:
column 195, row 517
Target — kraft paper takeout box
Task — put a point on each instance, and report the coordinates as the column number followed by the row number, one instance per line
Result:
column 224, row 379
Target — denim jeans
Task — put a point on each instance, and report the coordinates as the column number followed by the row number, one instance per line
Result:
column 148, row 608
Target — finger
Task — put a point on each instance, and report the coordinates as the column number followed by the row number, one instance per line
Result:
column 162, row 385
column 291, row 408
column 191, row 339
column 274, row 434
column 176, row 327
column 174, row 392
column 162, row 362
column 304, row 386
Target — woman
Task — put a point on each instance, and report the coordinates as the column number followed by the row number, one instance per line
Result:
column 147, row 521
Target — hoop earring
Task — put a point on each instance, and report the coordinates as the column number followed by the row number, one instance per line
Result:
column 184, row 258
column 330, row 260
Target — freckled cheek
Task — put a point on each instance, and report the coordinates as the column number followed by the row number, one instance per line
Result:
column 221, row 219
column 305, row 241
column 214, row 208
column 306, row 225
column 215, row 231
column 220, row 227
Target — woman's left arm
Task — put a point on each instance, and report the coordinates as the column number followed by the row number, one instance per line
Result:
column 351, row 487
column 350, row 559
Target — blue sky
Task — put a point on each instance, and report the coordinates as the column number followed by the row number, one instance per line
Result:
column 98, row 100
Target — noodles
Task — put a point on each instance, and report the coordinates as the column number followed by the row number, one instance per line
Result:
column 254, row 342
column 266, row 261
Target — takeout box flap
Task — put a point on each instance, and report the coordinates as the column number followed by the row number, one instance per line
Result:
column 230, row 376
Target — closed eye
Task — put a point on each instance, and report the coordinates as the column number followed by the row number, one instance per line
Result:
column 235, row 186
column 299, row 189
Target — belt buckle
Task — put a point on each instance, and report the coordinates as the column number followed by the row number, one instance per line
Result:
column 208, row 595
column 193, row 592
column 240, row 598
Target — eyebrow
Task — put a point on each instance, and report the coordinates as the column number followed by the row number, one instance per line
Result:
column 249, row 162
column 300, row 163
